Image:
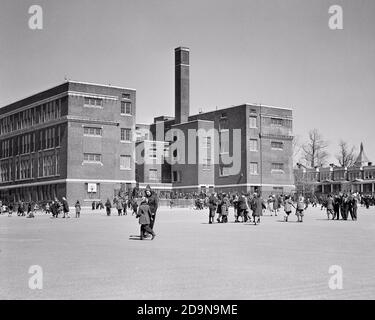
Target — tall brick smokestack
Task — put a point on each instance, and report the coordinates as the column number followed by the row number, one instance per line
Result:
column 182, row 78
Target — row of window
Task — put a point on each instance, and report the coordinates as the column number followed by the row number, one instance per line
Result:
column 30, row 117
column 51, row 111
column 31, row 142
column 340, row 175
column 125, row 107
column 48, row 165
column 254, row 170
column 125, row 135
column 269, row 121
column 96, row 158
column 275, row 145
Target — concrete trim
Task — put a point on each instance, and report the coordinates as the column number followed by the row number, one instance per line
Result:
column 32, row 184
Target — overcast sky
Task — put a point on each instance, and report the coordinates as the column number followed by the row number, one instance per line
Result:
column 278, row 53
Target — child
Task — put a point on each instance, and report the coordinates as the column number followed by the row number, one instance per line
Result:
column 134, row 206
column 225, row 209
column 288, row 204
column 78, row 209
column 301, row 206
column 125, row 206
column 144, row 214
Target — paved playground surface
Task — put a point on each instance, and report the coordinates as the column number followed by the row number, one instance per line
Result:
column 100, row 257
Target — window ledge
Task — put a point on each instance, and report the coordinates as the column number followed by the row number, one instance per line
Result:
column 92, row 162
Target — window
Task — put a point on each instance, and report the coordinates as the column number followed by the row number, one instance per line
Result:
column 126, row 107
column 125, row 134
column 57, row 164
column 125, row 96
column 48, row 166
column 92, row 131
column 252, row 122
column 125, row 163
column 176, row 176
column 277, row 167
column 153, row 174
column 92, row 157
column 276, row 121
column 253, row 167
column 277, row 145
column 253, row 145
column 93, row 102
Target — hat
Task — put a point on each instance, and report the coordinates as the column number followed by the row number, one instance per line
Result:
column 148, row 188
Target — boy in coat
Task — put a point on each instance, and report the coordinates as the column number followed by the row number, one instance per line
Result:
column 288, row 204
column 212, row 206
column 144, row 213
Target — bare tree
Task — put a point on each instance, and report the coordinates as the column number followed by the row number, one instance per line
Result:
column 346, row 156
column 314, row 150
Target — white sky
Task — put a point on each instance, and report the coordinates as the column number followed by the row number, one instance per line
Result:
column 278, row 52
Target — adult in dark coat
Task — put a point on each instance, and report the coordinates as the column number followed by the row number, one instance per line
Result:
column 153, row 203
column 336, row 207
column 243, row 207
column 345, row 207
column 65, row 208
column 212, row 206
column 354, row 207
column 258, row 205
column 108, row 207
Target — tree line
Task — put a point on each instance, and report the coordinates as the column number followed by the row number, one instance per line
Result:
column 314, row 151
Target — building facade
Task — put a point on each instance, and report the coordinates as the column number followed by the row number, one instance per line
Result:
column 257, row 137
column 359, row 177
column 72, row 140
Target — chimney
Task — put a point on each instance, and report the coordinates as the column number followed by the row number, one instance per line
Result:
column 182, row 78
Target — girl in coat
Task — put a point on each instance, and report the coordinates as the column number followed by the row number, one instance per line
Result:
column 288, row 204
column 78, row 209
column 144, row 214
column 224, row 209
column 301, row 206
column 119, row 207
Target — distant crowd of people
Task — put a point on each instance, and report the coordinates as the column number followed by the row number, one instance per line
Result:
column 250, row 207
column 247, row 207
column 29, row 209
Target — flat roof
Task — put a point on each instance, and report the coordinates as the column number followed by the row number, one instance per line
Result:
column 68, row 81
column 241, row 105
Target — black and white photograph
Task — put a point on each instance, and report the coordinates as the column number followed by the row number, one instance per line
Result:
column 214, row 151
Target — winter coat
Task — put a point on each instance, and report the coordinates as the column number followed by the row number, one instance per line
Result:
column 65, row 206
column 225, row 206
column 153, row 202
column 212, row 202
column 258, row 206
column 144, row 213
column 78, row 207
column 329, row 204
column 119, row 205
column 288, row 204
